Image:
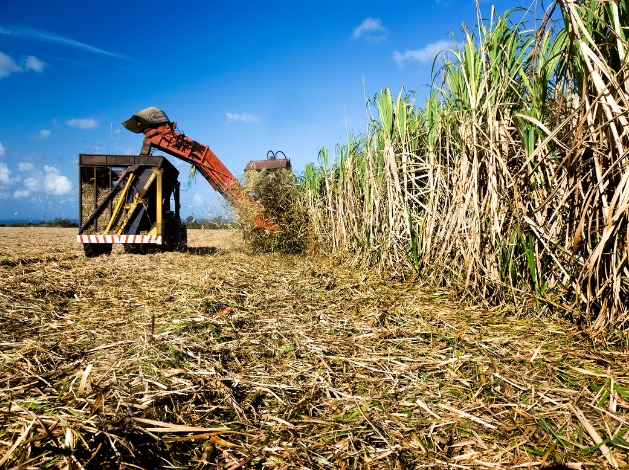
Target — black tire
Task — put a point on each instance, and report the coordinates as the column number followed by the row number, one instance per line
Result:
column 174, row 234
column 182, row 244
column 92, row 250
column 169, row 235
column 134, row 248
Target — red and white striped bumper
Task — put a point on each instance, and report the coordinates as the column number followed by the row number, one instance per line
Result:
column 154, row 239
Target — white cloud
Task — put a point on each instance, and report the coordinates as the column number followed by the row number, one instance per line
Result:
column 34, row 64
column 242, row 117
column 88, row 123
column 33, row 180
column 56, row 183
column 44, row 134
column 31, row 183
column 424, row 54
column 370, row 29
column 3, row 151
column 8, row 65
column 5, row 174
column 25, row 166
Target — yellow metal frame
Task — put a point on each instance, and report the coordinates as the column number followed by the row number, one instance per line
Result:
column 122, row 197
column 131, row 207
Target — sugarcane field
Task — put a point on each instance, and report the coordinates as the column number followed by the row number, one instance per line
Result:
column 448, row 290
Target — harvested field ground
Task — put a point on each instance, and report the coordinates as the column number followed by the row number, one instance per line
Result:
column 218, row 358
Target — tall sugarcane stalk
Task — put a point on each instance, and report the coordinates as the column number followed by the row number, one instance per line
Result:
column 512, row 182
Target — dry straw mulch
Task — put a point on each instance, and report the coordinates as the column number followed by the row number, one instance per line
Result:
column 217, row 358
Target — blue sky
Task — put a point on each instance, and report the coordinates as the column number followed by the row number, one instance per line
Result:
column 240, row 77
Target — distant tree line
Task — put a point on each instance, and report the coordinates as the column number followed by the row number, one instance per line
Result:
column 216, row 223
column 56, row 222
column 191, row 222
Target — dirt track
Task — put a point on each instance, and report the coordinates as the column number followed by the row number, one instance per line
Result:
column 218, row 358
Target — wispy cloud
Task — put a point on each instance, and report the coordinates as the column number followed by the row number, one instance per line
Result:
column 33, row 34
column 424, row 54
column 3, row 150
column 241, row 117
column 34, row 64
column 88, row 123
column 8, row 65
column 43, row 134
column 371, row 30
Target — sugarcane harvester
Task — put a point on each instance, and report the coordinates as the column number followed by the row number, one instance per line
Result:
column 135, row 198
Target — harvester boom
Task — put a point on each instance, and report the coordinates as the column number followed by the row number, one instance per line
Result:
column 162, row 134
column 166, row 138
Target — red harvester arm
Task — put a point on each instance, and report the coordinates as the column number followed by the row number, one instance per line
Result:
column 166, row 138
column 162, row 134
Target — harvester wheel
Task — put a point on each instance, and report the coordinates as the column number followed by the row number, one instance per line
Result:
column 182, row 244
column 92, row 250
column 168, row 233
column 134, row 248
column 174, row 234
